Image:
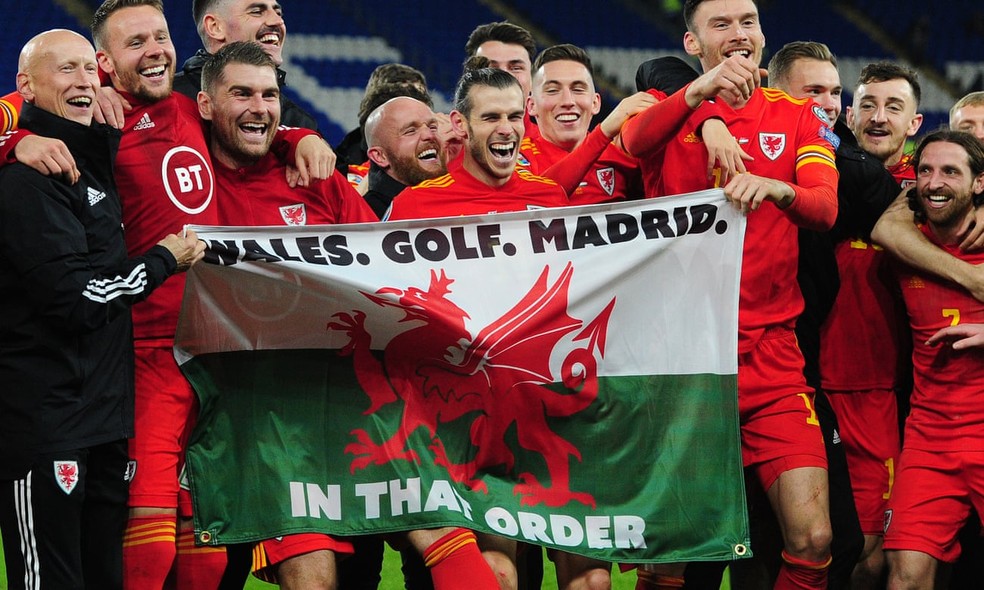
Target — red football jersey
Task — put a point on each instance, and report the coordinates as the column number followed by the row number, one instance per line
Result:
column 947, row 407
column 459, row 193
column 164, row 177
column 860, row 342
column 788, row 139
column 259, row 195
column 611, row 174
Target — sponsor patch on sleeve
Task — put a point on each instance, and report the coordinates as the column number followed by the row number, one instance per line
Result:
column 828, row 134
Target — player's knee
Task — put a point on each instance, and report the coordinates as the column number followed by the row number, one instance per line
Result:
column 503, row 568
column 811, row 543
column 594, row 579
column 908, row 574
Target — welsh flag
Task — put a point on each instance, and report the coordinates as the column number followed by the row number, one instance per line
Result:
column 565, row 377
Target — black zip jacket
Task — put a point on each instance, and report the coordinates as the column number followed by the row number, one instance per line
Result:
column 66, row 287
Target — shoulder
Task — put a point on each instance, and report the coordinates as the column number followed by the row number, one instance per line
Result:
column 776, row 96
column 528, row 177
column 440, row 182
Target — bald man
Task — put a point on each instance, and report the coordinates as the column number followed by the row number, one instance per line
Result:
column 405, row 149
column 66, row 287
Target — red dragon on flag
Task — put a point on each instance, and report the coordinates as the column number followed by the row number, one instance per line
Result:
column 441, row 373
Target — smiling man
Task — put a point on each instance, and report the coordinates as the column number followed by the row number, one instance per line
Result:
column 240, row 99
column 564, row 100
column 791, row 182
column 488, row 113
column 220, row 22
column 938, row 480
column 66, row 288
column 883, row 116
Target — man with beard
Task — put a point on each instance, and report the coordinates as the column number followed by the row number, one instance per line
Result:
column 162, row 132
column 790, row 183
column 488, row 113
column 938, row 481
column 240, row 100
column 404, row 149
column 220, row 22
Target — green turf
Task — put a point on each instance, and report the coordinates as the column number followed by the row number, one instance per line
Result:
column 393, row 579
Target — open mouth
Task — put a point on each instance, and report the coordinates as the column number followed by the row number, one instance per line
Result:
column 270, row 38
column 254, row 128
column 741, row 51
column 427, row 155
column 154, row 72
column 938, row 201
column 82, row 102
column 503, row 150
column 568, row 118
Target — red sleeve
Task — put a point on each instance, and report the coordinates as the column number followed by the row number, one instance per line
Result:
column 815, row 205
column 285, row 142
column 10, row 107
column 572, row 168
column 10, row 136
column 654, row 127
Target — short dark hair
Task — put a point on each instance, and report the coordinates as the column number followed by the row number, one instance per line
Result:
column 883, row 71
column 782, row 62
column 503, row 32
column 108, row 8
column 563, row 52
column 970, row 144
column 690, row 7
column 395, row 73
column 239, row 52
column 381, row 94
column 491, row 77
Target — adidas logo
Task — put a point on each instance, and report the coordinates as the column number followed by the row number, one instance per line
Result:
column 836, row 438
column 144, row 123
column 95, row 196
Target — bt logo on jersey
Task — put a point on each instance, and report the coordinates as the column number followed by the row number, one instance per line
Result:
column 188, row 179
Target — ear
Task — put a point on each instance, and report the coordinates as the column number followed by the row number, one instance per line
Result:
column 914, row 125
column 459, row 124
column 849, row 116
column 205, row 106
column 691, row 44
column 530, row 105
column 214, row 28
column 24, row 86
column 596, row 104
column 105, row 63
column 378, row 157
column 978, row 185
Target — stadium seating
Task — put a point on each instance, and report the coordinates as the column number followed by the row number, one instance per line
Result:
column 334, row 44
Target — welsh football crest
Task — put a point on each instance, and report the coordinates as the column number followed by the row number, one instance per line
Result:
column 606, row 178
column 772, row 144
column 294, row 214
column 66, row 475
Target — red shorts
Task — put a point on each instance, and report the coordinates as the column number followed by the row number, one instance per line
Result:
column 931, row 501
column 165, row 411
column 779, row 427
column 869, row 431
column 268, row 554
